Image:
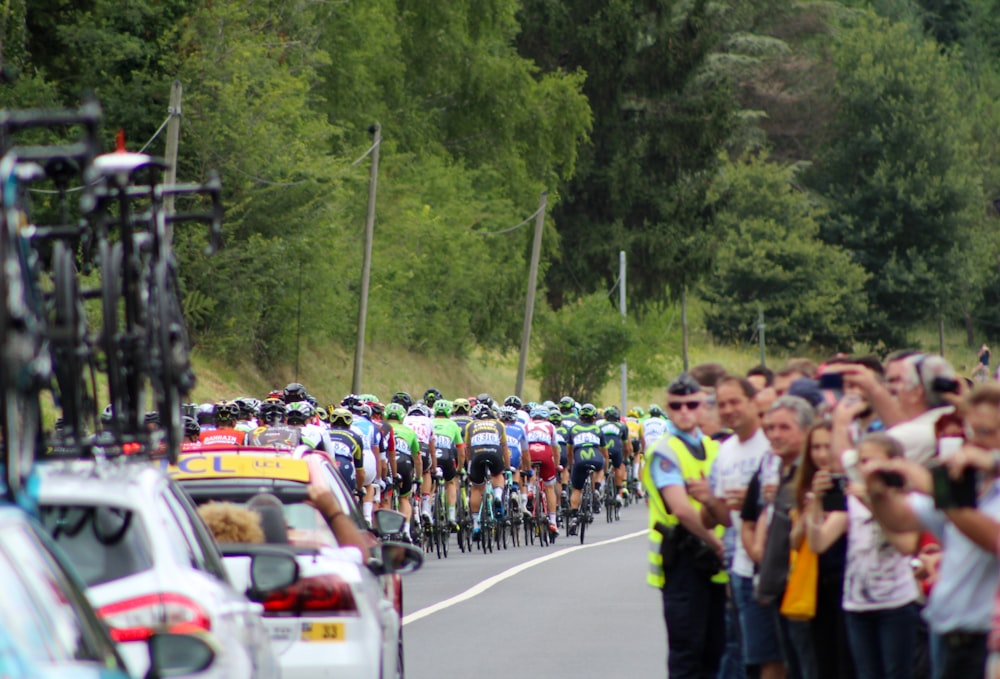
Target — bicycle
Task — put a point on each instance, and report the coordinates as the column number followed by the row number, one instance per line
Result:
column 538, row 519
column 463, row 515
column 609, row 497
column 441, row 525
column 589, row 499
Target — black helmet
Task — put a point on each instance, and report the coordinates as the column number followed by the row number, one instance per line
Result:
column 485, row 398
column 294, row 393
column 513, row 402
column 191, row 427
column 226, row 412
column 403, row 399
column 612, row 414
column 481, row 411
column 272, row 411
column 431, row 396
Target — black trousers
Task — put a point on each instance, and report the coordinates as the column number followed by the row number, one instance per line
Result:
column 694, row 609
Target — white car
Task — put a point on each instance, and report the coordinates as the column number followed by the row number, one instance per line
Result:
column 341, row 619
column 149, row 563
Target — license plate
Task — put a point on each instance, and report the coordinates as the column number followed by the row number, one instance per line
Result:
column 323, row 631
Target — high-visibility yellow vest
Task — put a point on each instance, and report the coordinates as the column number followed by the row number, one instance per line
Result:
column 672, row 448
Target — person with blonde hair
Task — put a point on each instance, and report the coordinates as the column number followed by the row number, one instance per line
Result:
column 231, row 523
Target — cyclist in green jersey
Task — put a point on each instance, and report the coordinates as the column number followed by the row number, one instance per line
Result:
column 449, row 443
column 586, row 449
column 408, row 464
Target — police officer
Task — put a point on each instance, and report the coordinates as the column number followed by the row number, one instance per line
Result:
column 685, row 550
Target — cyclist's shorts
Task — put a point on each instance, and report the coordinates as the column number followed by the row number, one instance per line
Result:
column 477, row 466
column 543, row 454
column 447, row 464
column 425, row 460
column 563, row 460
column 616, row 458
column 580, row 467
column 404, row 467
column 345, row 465
column 515, row 458
column 371, row 468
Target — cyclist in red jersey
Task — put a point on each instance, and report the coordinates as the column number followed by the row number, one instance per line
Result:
column 543, row 446
column 226, row 413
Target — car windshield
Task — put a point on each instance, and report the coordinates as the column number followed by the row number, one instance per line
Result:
column 103, row 542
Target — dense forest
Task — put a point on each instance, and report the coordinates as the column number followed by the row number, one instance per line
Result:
column 833, row 164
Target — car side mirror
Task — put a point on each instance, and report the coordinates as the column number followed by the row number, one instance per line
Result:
column 397, row 557
column 177, row 655
column 388, row 522
column 271, row 571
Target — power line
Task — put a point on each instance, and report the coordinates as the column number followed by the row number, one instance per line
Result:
column 516, row 226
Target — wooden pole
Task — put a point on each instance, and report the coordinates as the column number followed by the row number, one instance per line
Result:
column 366, row 266
column 529, row 302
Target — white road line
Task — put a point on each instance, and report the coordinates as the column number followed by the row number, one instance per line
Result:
column 509, row 573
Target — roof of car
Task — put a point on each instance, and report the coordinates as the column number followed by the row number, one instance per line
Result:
column 227, row 465
column 118, row 479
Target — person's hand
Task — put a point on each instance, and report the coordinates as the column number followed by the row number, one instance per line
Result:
column 770, row 491
column 735, row 497
column 716, row 544
column 700, row 490
column 821, row 483
column 856, row 375
column 969, row 456
column 848, row 409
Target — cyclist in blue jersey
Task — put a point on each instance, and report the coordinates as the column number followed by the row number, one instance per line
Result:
column 517, row 443
column 567, row 406
column 346, row 448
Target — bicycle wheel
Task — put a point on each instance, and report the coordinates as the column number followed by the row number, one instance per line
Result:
column 585, row 508
column 68, row 335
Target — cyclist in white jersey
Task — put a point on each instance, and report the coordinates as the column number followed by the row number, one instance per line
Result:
column 654, row 427
column 418, row 418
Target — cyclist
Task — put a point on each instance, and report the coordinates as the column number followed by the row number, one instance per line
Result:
column 619, row 447
column 635, row 435
column 432, row 396
column 515, row 402
column 418, row 418
column 294, row 393
column 486, row 442
column 387, row 447
column 449, row 446
column 403, row 399
column 191, row 434
column 586, row 449
column 247, row 420
column 205, row 416
column 653, row 428
column 299, row 415
column 567, row 406
column 543, row 446
column 407, row 459
column 225, row 433
column 365, row 428
column 346, row 448
column 274, row 431
column 460, row 409
column 516, row 443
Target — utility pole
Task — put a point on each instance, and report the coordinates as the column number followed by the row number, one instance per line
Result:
column 529, row 302
column 684, row 326
column 173, row 141
column 760, row 331
column 366, row 266
column 621, row 306
column 941, row 335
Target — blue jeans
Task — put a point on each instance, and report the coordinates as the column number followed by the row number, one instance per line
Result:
column 882, row 642
column 731, row 666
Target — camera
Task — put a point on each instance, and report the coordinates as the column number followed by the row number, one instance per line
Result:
column 945, row 385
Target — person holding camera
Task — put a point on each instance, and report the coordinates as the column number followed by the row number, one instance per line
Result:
column 685, row 550
column 953, row 501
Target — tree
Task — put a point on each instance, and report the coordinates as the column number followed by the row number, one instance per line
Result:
column 772, row 260
column 900, row 176
column 581, row 344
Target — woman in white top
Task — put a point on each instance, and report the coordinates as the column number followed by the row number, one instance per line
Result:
column 879, row 588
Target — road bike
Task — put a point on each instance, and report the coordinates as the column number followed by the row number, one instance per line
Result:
column 441, row 526
column 463, row 515
column 610, row 498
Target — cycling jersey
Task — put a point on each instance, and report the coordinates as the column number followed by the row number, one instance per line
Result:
column 634, row 432
column 653, row 429
column 366, row 429
column 348, row 453
column 516, row 443
column 278, row 436
column 485, row 441
column 615, row 435
column 569, row 421
column 587, row 440
column 447, row 438
column 542, row 442
column 462, row 421
column 423, row 427
column 314, row 436
column 222, row 437
column 246, row 425
column 387, row 440
column 407, row 445
column 562, row 436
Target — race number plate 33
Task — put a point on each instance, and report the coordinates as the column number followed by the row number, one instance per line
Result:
column 323, row 631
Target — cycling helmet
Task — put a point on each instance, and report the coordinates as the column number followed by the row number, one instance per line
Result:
column 508, row 414
column 485, row 399
column 362, row 410
column 299, row 412
column 539, row 413
column 191, row 426
column 294, row 393
column 432, row 396
column 655, row 411
column 313, row 401
column 152, row 417
column 248, row 406
column 378, row 408
column 612, row 414
column 394, row 411
column 341, row 417
column 321, row 414
column 633, row 412
column 513, row 402
column 276, row 393
column 588, row 412
column 403, row 399
column 529, row 406
column 368, row 398
column 555, row 417
column 206, row 413
column 461, row 406
column 442, row 408
column 226, row 412
column 566, row 404
column 418, row 409
column 272, row 411
column 350, row 400
column 550, row 404
column 481, row 411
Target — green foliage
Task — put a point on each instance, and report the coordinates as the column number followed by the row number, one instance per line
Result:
column 811, row 294
column 580, row 346
column 903, row 191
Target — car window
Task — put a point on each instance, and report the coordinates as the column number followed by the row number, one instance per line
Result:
column 344, row 496
column 176, row 538
column 54, row 595
column 104, row 543
column 306, row 526
column 25, row 628
column 213, row 560
column 184, row 523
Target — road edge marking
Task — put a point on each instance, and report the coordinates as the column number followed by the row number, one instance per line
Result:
column 489, row 582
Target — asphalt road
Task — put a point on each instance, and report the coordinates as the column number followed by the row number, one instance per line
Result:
column 561, row 611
